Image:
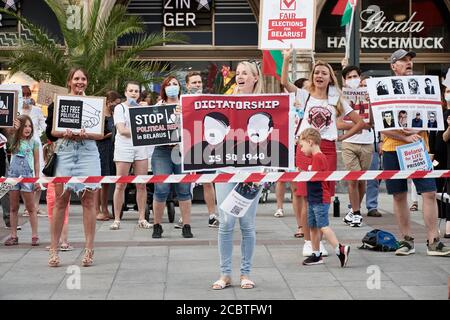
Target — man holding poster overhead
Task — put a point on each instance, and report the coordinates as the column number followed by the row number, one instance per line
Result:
column 402, row 65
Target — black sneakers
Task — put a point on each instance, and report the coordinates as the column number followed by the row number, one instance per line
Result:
column 343, row 254
column 213, row 222
column 157, row 231
column 186, row 231
column 313, row 260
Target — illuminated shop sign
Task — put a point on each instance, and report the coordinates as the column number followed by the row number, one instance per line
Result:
column 187, row 13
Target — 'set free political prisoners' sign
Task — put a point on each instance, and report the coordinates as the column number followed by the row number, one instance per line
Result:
column 79, row 112
column 285, row 22
column 412, row 102
column 154, row 125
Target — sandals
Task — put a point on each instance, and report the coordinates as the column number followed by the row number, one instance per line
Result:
column 115, row 225
column 65, row 247
column 53, row 261
column 144, row 224
column 299, row 234
column 12, row 241
column 35, row 241
column 279, row 213
column 221, row 284
column 102, row 217
column 88, row 257
column 414, row 206
column 247, row 283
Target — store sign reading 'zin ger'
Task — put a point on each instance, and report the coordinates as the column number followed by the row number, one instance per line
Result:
column 374, row 25
column 187, row 13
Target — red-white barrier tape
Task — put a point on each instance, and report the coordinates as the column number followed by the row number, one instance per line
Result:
column 243, row 177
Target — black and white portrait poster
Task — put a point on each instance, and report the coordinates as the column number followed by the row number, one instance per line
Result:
column 8, row 108
column 240, row 131
column 79, row 112
column 412, row 102
column 154, row 125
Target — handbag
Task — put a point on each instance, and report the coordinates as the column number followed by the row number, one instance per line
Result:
column 49, row 169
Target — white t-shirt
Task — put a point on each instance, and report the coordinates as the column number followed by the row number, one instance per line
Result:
column 321, row 114
column 121, row 115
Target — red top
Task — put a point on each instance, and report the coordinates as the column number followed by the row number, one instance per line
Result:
column 319, row 191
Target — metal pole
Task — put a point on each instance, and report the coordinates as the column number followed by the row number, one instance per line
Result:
column 356, row 38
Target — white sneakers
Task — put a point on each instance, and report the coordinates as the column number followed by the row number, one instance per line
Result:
column 279, row 213
column 307, row 249
column 353, row 220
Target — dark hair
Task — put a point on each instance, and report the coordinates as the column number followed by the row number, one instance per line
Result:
column 402, row 112
column 71, row 74
column 164, row 84
column 191, row 74
column 299, row 83
column 23, row 118
column 112, row 96
column 220, row 117
column 134, row 83
column 427, row 79
column 349, row 69
column 26, row 88
column 264, row 114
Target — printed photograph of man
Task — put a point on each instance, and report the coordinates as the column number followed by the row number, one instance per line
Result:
column 417, row 122
column 397, row 84
column 382, row 89
column 403, row 119
column 413, row 85
column 388, row 119
column 432, row 123
column 429, row 89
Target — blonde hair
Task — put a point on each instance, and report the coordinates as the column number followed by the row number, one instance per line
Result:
column 254, row 69
column 333, row 82
column 310, row 134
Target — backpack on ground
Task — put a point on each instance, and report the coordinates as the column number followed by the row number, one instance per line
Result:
column 379, row 240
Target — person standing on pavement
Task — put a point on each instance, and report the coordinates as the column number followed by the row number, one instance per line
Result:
column 402, row 65
column 249, row 81
column 77, row 155
column 194, row 85
column 445, row 136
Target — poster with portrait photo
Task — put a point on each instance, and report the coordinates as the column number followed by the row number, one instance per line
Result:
column 406, row 94
column 79, row 112
column 8, row 108
column 359, row 101
column 240, row 131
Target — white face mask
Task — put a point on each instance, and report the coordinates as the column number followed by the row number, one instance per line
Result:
column 447, row 97
column 353, row 83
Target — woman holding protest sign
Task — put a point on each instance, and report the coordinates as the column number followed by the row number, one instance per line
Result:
column 322, row 103
column 125, row 155
column 77, row 155
column 249, row 81
column 166, row 159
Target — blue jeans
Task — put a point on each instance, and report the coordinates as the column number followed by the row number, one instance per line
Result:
column 318, row 215
column 78, row 159
column 166, row 160
column 226, row 227
column 20, row 168
column 373, row 185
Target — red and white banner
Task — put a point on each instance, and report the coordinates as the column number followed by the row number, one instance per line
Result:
column 412, row 102
column 240, row 131
column 286, row 22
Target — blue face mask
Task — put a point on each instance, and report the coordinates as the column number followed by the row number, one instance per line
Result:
column 172, row 91
column 132, row 102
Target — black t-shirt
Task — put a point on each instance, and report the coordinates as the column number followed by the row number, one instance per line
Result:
column 49, row 122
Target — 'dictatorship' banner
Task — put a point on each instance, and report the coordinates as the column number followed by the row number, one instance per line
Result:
column 237, row 131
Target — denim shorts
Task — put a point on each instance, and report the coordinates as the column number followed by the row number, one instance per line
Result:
column 77, row 159
column 390, row 162
column 19, row 167
column 166, row 160
column 318, row 215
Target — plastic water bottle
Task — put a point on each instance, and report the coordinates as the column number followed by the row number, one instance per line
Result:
column 336, row 207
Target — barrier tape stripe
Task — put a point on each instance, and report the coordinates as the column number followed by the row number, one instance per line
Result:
column 242, row 177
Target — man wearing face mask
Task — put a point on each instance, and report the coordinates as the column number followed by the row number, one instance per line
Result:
column 357, row 151
column 194, row 85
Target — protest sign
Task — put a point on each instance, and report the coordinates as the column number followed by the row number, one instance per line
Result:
column 412, row 102
column 154, row 125
column 240, row 199
column 5, row 187
column 414, row 156
column 359, row 101
column 286, row 22
column 79, row 112
column 18, row 88
column 47, row 92
column 237, row 131
column 8, row 107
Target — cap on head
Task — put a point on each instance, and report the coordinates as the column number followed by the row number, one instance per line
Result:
column 400, row 54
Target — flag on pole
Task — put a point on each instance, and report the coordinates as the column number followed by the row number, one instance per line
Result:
column 344, row 8
column 272, row 63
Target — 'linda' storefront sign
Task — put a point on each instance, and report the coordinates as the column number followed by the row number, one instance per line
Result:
column 377, row 32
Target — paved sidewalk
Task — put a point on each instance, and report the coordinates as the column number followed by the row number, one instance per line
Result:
column 129, row 264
